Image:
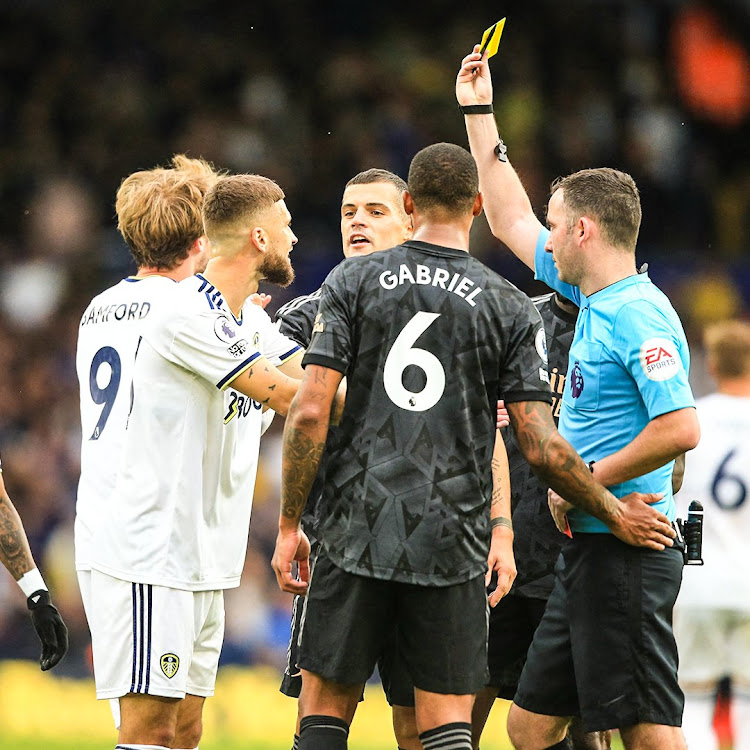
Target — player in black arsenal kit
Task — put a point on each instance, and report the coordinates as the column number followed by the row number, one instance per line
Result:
column 372, row 219
column 428, row 338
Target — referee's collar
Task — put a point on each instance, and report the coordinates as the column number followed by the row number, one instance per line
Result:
column 615, row 288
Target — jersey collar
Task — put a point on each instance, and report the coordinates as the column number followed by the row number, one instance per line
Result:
column 615, row 288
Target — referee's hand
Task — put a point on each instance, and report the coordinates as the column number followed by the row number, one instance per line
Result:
column 49, row 627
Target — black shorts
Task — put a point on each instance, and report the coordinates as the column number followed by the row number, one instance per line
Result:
column 604, row 650
column 397, row 685
column 440, row 632
column 513, row 622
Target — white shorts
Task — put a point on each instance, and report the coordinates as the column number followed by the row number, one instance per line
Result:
column 712, row 643
column 152, row 639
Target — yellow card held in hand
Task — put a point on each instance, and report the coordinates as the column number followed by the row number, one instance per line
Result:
column 491, row 38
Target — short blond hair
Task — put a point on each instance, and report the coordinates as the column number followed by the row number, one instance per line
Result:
column 728, row 348
column 159, row 210
column 235, row 200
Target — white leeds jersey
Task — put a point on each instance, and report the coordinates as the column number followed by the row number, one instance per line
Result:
column 108, row 337
column 180, row 510
column 717, row 473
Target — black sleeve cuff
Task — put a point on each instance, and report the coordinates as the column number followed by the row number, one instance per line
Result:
column 323, row 361
column 513, row 396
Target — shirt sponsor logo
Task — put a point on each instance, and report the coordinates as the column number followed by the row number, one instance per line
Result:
column 543, row 375
column 576, row 381
column 319, row 326
column 659, row 359
column 169, row 663
column 238, row 348
column 224, row 330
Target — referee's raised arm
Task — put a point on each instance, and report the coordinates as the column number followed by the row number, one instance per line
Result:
column 509, row 212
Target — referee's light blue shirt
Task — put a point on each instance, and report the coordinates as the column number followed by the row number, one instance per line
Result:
column 628, row 364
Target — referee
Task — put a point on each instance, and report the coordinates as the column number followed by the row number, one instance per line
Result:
column 604, row 650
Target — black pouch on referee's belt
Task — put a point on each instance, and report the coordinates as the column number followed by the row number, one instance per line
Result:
column 689, row 539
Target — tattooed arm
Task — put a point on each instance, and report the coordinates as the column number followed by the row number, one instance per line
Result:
column 630, row 518
column 267, row 385
column 501, row 542
column 305, row 435
column 15, row 553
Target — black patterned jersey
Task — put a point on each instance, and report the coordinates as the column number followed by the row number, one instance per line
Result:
column 295, row 320
column 429, row 338
column 537, row 542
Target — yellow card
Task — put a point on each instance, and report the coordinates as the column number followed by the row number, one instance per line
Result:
column 491, row 38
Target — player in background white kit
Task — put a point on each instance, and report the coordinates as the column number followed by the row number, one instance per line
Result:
column 159, row 216
column 175, row 532
column 712, row 615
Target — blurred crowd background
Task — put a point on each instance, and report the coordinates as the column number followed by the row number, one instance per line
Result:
column 309, row 94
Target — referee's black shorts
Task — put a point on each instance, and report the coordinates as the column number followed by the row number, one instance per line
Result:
column 441, row 632
column 604, row 650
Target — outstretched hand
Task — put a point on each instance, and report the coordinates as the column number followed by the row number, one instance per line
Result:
column 49, row 627
column 474, row 83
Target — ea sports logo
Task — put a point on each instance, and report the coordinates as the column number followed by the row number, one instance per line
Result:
column 659, row 360
column 170, row 663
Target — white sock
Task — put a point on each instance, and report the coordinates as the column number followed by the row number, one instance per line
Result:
column 741, row 717
column 697, row 720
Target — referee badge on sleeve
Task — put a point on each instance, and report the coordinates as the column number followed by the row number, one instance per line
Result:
column 170, row 663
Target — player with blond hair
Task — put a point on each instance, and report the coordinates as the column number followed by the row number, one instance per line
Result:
column 159, row 217
column 172, row 532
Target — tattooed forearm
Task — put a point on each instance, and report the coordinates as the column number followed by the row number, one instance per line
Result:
column 554, row 459
column 498, row 488
column 300, row 461
column 14, row 547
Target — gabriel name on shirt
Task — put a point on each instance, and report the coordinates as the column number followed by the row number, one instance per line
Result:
column 439, row 277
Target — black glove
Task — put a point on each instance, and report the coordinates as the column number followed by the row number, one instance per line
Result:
column 49, row 627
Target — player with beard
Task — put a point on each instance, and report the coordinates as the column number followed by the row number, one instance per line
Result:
column 175, row 531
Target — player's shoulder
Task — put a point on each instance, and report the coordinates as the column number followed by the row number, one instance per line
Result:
column 502, row 291
column 644, row 306
column 121, row 288
column 720, row 404
column 305, row 304
column 543, row 301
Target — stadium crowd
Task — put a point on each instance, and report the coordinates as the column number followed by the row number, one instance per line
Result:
column 309, row 94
